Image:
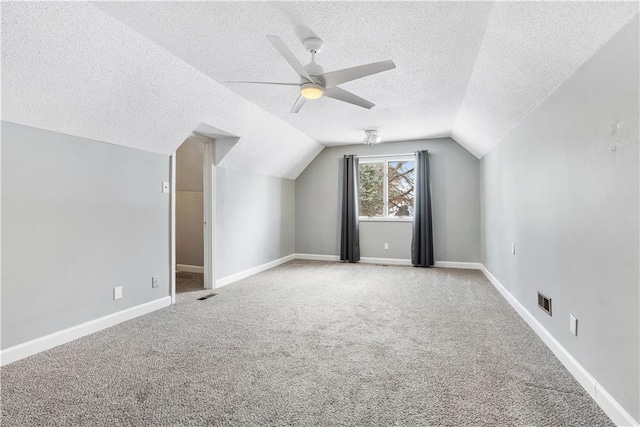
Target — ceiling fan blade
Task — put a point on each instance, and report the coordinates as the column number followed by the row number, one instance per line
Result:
column 335, row 78
column 262, row 83
column 343, row 95
column 290, row 57
column 298, row 104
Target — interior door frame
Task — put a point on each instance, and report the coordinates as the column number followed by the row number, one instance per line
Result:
column 209, row 211
column 208, row 189
column 172, row 233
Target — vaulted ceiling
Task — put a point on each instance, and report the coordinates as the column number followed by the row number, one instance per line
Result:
column 146, row 74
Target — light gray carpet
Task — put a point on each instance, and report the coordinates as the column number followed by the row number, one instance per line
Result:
column 189, row 282
column 309, row 343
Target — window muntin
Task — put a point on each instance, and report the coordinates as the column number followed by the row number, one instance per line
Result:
column 386, row 187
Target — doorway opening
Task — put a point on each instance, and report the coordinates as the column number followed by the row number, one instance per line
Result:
column 193, row 213
column 189, row 216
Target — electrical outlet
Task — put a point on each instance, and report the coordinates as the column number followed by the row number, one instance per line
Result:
column 386, row 246
column 573, row 324
column 117, row 292
column 155, row 281
column 165, row 187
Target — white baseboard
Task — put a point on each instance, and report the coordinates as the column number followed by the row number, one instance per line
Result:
column 250, row 272
column 317, row 257
column 391, row 261
column 606, row 402
column 364, row 260
column 190, row 268
column 47, row 342
column 462, row 265
column 386, row 261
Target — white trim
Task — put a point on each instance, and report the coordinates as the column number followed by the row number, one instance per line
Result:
column 392, row 157
column 1, row 317
column 202, row 138
column 608, row 404
column 612, row 408
column 462, row 265
column 209, row 213
column 392, row 261
column 385, row 159
column 385, row 187
column 47, row 342
column 317, row 257
column 408, row 219
column 387, row 261
column 251, row 271
column 190, row 268
column 172, row 232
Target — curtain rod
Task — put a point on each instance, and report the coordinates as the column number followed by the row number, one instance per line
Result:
column 387, row 155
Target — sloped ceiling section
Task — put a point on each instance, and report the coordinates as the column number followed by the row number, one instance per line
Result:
column 472, row 70
column 433, row 44
column 528, row 50
column 71, row 68
column 146, row 74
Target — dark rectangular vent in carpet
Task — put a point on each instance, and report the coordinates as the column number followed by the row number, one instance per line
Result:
column 206, row 297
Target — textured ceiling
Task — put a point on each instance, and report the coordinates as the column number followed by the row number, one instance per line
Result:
column 146, row 74
column 468, row 69
column 71, row 68
column 529, row 49
column 434, row 46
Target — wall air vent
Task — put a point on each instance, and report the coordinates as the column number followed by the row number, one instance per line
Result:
column 544, row 303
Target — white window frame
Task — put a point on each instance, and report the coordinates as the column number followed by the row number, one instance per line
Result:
column 385, row 187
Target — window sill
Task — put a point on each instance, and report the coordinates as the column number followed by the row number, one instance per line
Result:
column 385, row 219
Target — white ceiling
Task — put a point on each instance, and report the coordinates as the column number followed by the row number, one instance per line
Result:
column 528, row 50
column 146, row 74
column 432, row 44
column 71, row 68
column 471, row 68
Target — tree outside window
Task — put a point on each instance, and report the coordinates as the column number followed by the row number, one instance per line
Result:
column 386, row 188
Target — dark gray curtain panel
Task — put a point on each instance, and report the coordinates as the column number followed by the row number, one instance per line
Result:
column 422, row 240
column 350, row 234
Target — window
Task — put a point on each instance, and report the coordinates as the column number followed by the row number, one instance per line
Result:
column 386, row 187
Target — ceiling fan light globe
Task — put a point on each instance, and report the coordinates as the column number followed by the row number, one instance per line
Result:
column 372, row 137
column 311, row 90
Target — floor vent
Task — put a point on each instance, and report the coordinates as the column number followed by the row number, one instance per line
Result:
column 206, row 297
column 544, row 303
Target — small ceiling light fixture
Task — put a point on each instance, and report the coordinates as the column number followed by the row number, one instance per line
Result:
column 372, row 137
column 311, row 90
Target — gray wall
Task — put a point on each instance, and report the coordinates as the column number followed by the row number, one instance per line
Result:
column 455, row 194
column 189, row 203
column 570, row 204
column 79, row 217
column 255, row 220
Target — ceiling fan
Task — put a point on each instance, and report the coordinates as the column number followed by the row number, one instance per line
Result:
column 315, row 83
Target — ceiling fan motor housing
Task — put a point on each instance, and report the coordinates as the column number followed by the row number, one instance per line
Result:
column 312, row 44
column 314, row 70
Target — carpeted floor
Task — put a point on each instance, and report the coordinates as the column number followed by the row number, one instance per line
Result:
column 188, row 282
column 309, row 343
